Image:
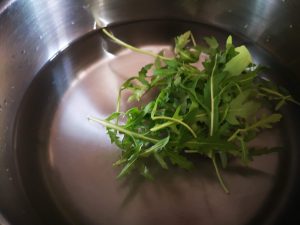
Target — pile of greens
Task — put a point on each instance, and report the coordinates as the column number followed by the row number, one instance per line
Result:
column 213, row 112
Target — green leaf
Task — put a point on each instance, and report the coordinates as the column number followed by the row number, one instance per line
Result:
column 160, row 160
column 128, row 167
column 189, row 56
column 156, row 147
column 204, row 146
column 113, row 116
column 241, row 108
column 212, row 42
column 179, row 160
column 143, row 74
column 181, row 41
column 164, row 72
column 240, row 62
column 172, row 63
column 264, row 123
column 146, row 173
column 137, row 94
column 229, row 42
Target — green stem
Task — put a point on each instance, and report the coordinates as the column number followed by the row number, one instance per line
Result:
column 238, row 87
column 219, row 175
column 176, row 121
column 119, row 101
column 193, row 40
column 281, row 96
column 118, row 105
column 228, row 85
column 122, row 43
column 288, row 97
column 123, row 130
column 271, row 92
column 212, row 99
column 162, row 126
column 225, row 114
column 244, row 149
column 201, row 115
column 233, row 136
column 293, row 101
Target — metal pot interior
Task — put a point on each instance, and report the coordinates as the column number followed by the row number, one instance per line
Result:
column 57, row 69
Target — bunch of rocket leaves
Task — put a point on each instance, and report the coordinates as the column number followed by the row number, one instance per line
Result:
column 213, row 110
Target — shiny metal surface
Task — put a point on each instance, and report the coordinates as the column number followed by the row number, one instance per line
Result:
column 76, row 157
column 33, row 31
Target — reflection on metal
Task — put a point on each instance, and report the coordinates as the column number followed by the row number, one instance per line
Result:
column 5, row 4
column 54, row 16
column 3, row 221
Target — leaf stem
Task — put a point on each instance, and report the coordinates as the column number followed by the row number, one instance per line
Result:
column 273, row 118
column 294, row 101
column 176, row 121
column 244, row 150
column 201, row 115
column 271, row 92
column 193, row 40
column 288, row 97
column 225, row 113
column 122, row 43
column 118, row 105
column 219, row 175
column 119, row 101
column 233, row 136
column 227, row 86
column 212, row 99
column 123, row 130
column 159, row 127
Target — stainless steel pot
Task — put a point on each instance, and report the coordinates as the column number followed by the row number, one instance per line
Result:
column 32, row 32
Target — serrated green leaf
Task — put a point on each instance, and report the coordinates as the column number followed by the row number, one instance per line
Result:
column 181, row 41
column 240, row 107
column 180, row 160
column 265, row 122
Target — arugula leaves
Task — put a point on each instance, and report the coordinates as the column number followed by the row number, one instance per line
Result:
column 239, row 107
column 212, row 112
